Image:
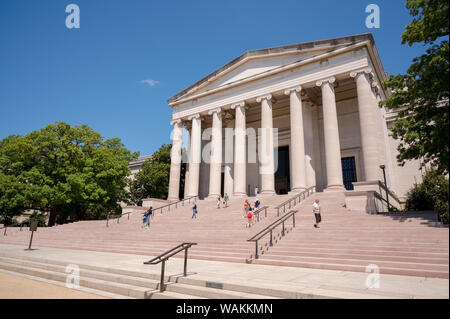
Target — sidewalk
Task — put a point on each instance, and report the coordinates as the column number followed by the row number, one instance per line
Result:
column 289, row 282
column 19, row 287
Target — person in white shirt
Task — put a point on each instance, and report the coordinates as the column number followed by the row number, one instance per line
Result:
column 256, row 191
column 316, row 211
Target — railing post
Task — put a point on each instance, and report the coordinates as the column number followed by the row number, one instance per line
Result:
column 265, row 211
column 283, row 229
column 118, row 220
column 256, row 251
column 271, row 242
column 107, row 221
column 185, row 261
column 161, row 285
column 278, row 211
column 4, row 233
column 293, row 219
column 128, row 216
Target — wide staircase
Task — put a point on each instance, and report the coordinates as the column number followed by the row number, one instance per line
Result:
column 221, row 234
column 397, row 243
column 405, row 244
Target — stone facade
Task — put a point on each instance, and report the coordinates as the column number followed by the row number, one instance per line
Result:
column 316, row 101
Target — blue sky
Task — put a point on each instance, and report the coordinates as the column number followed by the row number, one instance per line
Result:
column 95, row 74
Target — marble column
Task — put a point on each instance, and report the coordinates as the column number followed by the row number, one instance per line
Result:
column 228, row 162
column 240, row 156
column 188, row 160
column 175, row 162
column 308, row 131
column 195, row 154
column 331, row 136
column 297, row 147
column 266, row 151
column 215, row 167
column 369, row 122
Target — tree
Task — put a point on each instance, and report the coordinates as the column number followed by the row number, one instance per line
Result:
column 421, row 95
column 431, row 194
column 63, row 170
column 153, row 179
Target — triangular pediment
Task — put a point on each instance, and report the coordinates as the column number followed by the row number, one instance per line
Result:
column 255, row 63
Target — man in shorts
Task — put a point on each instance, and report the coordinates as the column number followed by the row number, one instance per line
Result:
column 316, row 211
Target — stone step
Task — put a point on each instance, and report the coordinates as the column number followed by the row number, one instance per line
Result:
column 135, row 285
column 61, row 284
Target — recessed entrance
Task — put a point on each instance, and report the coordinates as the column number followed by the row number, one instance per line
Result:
column 348, row 172
column 282, row 175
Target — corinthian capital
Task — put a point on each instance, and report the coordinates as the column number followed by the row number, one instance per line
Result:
column 293, row 89
column 330, row 80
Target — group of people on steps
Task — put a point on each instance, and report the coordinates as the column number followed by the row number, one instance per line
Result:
column 248, row 210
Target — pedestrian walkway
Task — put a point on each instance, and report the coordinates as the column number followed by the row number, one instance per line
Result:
column 20, row 287
column 205, row 277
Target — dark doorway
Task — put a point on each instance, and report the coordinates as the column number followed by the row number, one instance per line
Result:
column 182, row 179
column 348, row 172
column 282, row 174
column 222, row 183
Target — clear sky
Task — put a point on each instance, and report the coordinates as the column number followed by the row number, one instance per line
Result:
column 128, row 57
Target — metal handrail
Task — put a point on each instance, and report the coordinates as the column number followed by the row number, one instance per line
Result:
column 259, row 210
column 118, row 218
column 175, row 203
column 382, row 186
column 165, row 256
column 299, row 197
column 12, row 225
column 271, row 227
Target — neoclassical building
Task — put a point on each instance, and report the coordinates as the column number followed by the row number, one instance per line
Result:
column 314, row 108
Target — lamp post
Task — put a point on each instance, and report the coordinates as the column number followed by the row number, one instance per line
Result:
column 385, row 185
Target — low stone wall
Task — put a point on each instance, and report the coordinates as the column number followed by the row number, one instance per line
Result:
column 365, row 201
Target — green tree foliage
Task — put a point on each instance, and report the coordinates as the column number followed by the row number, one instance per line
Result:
column 431, row 194
column 152, row 181
column 421, row 96
column 63, row 170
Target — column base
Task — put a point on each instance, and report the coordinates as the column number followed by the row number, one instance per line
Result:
column 267, row 193
column 296, row 190
column 335, row 188
column 173, row 199
column 212, row 197
column 239, row 195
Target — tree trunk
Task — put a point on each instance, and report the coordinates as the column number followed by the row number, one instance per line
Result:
column 52, row 217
